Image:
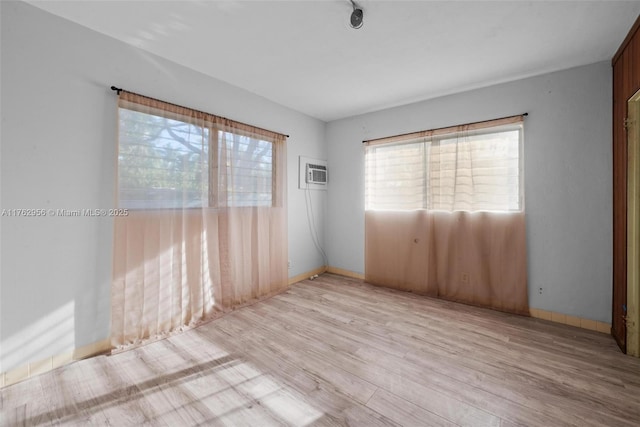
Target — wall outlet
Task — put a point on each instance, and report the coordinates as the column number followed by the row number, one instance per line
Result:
column 289, row 264
column 540, row 291
column 464, row 278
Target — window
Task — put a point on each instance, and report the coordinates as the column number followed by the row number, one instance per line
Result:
column 168, row 161
column 206, row 226
column 162, row 163
column 249, row 165
column 469, row 168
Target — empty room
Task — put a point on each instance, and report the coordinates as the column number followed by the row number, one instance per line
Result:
column 320, row 213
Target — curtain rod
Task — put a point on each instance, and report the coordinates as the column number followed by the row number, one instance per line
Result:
column 445, row 127
column 118, row 90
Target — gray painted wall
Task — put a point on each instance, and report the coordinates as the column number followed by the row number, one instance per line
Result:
column 568, row 179
column 58, row 138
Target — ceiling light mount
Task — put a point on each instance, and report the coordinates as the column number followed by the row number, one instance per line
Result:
column 356, row 16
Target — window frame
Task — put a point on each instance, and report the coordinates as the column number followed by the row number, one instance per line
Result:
column 213, row 199
column 432, row 137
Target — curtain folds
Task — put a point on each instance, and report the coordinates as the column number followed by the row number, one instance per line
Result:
column 206, row 229
column 444, row 214
column 477, row 258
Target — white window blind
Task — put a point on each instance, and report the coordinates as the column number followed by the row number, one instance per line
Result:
column 454, row 169
column 395, row 176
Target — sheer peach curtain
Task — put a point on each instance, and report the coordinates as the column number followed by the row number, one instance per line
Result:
column 202, row 226
column 444, row 214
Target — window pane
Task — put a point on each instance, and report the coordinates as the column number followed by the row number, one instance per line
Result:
column 162, row 163
column 471, row 171
column 249, row 166
column 395, row 176
column 475, row 172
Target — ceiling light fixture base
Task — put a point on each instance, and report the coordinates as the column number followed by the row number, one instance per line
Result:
column 356, row 16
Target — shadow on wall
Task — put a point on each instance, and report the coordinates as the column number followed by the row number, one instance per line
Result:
column 51, row 334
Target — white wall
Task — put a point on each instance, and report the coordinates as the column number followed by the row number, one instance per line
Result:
column 568, row 179
column 58, row 139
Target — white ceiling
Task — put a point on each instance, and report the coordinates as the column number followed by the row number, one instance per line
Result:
column 304, row 55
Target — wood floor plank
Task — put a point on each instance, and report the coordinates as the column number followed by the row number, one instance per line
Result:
column 403, row 412
column 19, row 402
column 15, row 416
column 444, row 405
column 585, row 413
column 381, row 362
column 66, row 396
column 338, row 352
column 399, row 363
column 119, row 399
column 338, row 408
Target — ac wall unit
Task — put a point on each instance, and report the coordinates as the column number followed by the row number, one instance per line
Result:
column 313, row 174
column 316, row 174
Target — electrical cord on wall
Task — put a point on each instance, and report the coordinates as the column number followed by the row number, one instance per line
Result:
column 312, row 224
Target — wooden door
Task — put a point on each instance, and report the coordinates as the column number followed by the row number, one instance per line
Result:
column 626, row 83
column 633, row 227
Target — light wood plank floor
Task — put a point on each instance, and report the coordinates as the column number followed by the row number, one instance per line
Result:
column 335, row 351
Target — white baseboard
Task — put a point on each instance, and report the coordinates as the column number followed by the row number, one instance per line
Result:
column 303, row 276
column 565, row 319
column 45, row 365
